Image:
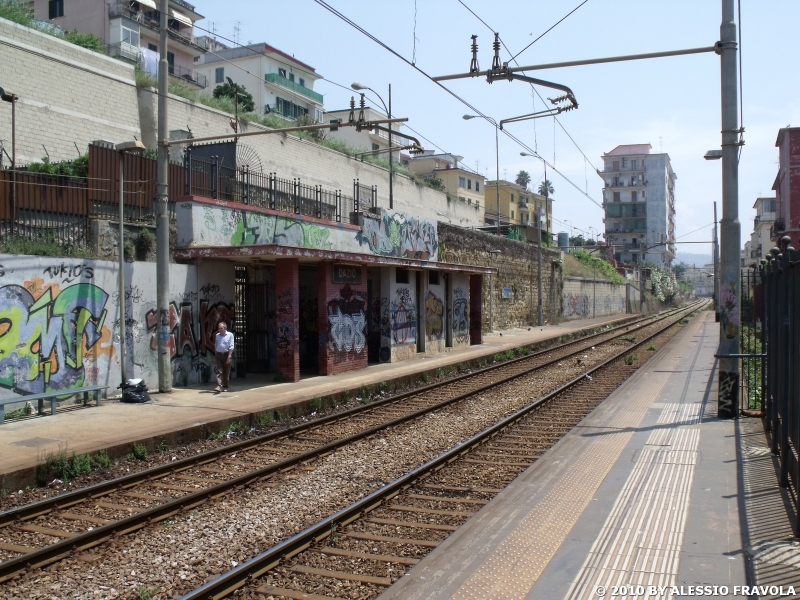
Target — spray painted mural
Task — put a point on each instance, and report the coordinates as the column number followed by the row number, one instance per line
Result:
column 403, row 318
column 348, row 321
column 392, row 234
column 434, row 316
column 583, row 298
column 460, row 317
column 59, row 324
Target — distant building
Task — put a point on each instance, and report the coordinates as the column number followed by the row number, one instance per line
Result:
column 787, row 187
column 373, row 140
column 760, row 239
column 639, row 202
column 131, row 31
column 518, row 206
column 280, row 84
column 465, row 188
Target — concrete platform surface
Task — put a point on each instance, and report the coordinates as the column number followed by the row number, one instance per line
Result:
column 113, row 424
column 644, row 492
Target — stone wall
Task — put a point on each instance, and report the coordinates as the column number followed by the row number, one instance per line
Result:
column 517, row 274
column 589, row 298
column 68, row 95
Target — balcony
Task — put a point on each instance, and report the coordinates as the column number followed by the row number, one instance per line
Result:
column 189, row 75
column 125, row 51
column 174, row 33
column 276, row 79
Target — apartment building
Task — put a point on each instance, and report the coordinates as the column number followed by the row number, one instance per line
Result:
column 280, row 84
column 787, row 187
column 373, row 140
column 518, row 206
column 464, row 187
column 760, row 239
column 639, row 203
column 131, row 30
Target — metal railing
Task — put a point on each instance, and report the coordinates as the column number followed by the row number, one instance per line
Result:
column 295, row 87
column 188, row 75
column 207, row 178
column 779, row 295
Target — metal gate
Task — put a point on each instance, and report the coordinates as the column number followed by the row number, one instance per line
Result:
column 252, row 325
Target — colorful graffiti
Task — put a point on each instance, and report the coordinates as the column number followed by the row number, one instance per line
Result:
column 729, row 309
column 575, row 305
column 347, row 321
column 460, row 316
column 44, row 339
column 403, row 317
column 399, row 235
column 250, row 228
column 285, row 317
column 434, row 317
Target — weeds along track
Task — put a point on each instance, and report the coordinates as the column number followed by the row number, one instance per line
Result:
column 364, row 548
column 41, row 533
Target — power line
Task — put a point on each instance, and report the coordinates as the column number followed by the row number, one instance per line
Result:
column 477, row 111
column 546, row 32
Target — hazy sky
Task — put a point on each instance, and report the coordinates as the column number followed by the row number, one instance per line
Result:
column 672, row 103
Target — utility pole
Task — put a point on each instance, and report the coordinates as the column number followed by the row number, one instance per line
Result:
column 391, row 154
column 539, row 317
column 162, row 212
column 730, row 229
column 716, row 267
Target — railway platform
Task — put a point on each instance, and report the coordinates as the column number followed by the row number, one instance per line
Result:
column 188, row 414
column 650, row 491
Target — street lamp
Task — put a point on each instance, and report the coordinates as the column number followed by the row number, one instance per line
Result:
column 491, row 291
column 441, row 214
column 12, row 98
column 125, row 147
column 497, row 162
column 360, row 86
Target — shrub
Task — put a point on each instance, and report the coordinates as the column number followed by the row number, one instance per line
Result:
column 652, row 348
column 629, row 338
column 630, row 359
column 139, row 452
column 85, row 40
column 145, row 242
column 17, row 12
column 264, row 419
column 102, row 460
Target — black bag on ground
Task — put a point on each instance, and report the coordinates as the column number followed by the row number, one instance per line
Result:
column 135, row 391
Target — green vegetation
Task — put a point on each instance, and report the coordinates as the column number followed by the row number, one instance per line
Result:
column 86, row 40
column 162, row 446
column 145, row 593
column 22, row 14
column 145, row 242
column 651, row 348
column 17, row 12
column 60, row 465
column 751, row 368
column 75, row 169
column 628, row 338
column 232, row 429
column 630, row 359
column 226, row 90
column 523, row 351
column 139, row 452
column 44, row 244
column 601, row 266
column 264, row 419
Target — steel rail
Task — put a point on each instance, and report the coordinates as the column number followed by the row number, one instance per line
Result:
column 269, row 559
column 99, row 535
column 94, row 491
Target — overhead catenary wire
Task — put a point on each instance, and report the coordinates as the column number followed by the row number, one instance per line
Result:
column 474, row 109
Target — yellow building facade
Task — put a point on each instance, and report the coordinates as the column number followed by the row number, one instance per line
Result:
column 518, row 206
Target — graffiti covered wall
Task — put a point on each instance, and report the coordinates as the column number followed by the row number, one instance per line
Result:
column 59, row 322
column 459, row 313
column 389, row 234
column 435, row 316
column 586, row 298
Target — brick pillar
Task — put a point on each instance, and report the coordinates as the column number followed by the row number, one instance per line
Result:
column 287, row 310
column 475, row 309
column 342, row 320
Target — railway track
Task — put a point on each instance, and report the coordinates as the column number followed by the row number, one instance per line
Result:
column 364, row 548
column 43, row 532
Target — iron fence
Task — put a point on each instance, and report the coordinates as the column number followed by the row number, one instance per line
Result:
column 780, row 291
column 751, row 342
column 206, row 177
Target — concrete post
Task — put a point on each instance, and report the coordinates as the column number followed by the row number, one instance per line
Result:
column 162, row 212
column 730, row 229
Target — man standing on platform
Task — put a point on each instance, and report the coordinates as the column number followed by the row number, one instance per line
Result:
column 223, row 346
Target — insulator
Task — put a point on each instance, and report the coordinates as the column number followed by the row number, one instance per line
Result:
column 496, row 47
column 473, row 64
column 352, row 118
column 361, row 112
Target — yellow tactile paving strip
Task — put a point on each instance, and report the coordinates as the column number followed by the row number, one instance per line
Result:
column 517, row 563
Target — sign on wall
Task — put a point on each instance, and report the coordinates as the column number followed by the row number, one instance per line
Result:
column 346, row 274
column 505, row 293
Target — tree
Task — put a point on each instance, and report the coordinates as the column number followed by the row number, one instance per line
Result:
column 226, row 90
column 523, row 179
column 546, row 188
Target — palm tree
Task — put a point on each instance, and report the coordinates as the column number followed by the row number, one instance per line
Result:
column 523, row 179
column 546, row 188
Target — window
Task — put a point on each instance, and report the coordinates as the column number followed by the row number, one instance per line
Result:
column 171, row 62
column 282, row 72
column 219, row 75
column 130, row 36
column 375, row 147
column 634, row 164
column 401, row 275
column 152, row 47
column 477, row 187
column 512, row 197
column 512, row 214
column 56, row 9
column 469, row 184
column 291, row 76
column 433, row 277
column 302, row 82
column 318, row 115
column 290, row 109
column 462, row 182
column 624, row 162
column 633, row 197
column 616, row 196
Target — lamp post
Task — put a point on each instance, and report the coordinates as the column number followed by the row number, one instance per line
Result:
column 132, row 147
column 360, row 86
column 491, row 291
column 497, row 162
column 441, row 214
column 539, row 316
column 12, row 98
